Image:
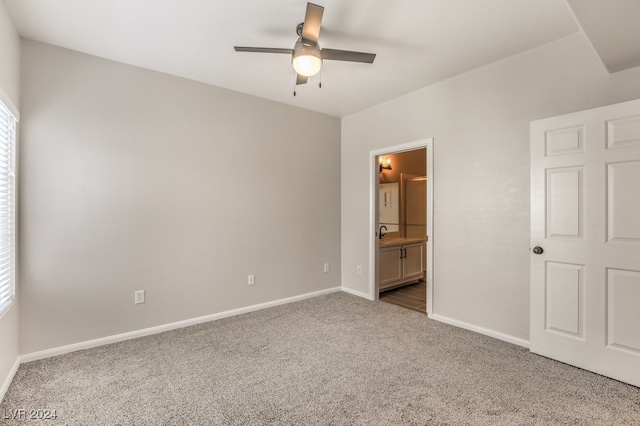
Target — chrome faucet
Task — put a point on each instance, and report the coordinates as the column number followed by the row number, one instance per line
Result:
column 380, row 234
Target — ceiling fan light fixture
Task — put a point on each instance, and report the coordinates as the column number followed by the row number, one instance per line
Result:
column 306, row 60
column 306, row 55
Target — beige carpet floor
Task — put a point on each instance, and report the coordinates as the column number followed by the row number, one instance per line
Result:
column 332, row 360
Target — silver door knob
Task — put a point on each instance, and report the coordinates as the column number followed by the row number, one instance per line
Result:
column 538, row 250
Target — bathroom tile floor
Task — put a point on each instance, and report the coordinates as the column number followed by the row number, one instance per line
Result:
column 412, row 296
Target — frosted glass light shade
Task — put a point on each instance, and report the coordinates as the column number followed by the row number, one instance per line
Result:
column 307, row 60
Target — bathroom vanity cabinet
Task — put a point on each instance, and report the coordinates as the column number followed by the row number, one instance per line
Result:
column 400, row 262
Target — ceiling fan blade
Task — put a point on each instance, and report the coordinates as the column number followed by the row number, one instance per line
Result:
column 301, row 79
column 347, row 55
column 262, row 50
column 312, row 22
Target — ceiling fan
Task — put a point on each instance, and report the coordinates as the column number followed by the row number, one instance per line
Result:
column 306, row 55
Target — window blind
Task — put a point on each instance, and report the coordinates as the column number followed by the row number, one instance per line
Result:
column 7, row 207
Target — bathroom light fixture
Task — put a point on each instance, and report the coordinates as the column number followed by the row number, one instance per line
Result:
column 385, row 164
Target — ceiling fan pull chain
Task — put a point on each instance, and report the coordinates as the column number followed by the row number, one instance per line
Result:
column 320, row 83
column 295, row 80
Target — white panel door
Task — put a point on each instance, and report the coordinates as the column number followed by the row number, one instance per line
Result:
column 585, row 216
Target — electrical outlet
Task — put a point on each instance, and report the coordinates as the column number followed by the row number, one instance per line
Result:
column 359, row 269
column 326, row 267
column 138, row 297
column 251, row 280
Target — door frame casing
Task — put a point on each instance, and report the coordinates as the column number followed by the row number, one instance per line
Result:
column 374, row 178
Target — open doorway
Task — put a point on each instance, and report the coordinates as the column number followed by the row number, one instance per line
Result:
column 401, row 244
column 404, row 251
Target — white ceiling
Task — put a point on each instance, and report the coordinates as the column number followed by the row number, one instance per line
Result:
column 613, row 28
column 417, row 42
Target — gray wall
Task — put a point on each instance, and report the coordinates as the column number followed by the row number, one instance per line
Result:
column 9, row 91
column 480, row 125
column 133, row 179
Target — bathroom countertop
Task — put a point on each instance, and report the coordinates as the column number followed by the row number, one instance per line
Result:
column 398, row 241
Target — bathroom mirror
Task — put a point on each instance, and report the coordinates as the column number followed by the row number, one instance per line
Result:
column 389, row 206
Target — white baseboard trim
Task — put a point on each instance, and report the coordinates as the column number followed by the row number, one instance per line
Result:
column 356, row 293
column 48, row 353
column 9, row 379
column 491, row 333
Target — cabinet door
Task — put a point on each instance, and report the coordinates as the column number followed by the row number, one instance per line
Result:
column 390, row 265
column 412, row 265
